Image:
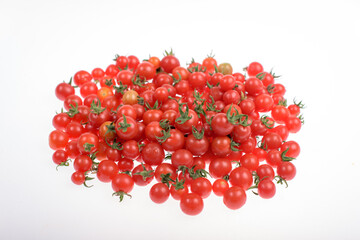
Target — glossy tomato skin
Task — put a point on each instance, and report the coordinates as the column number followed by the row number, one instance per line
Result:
column 153, row 131
column 159, row 193
column 59, row 156
column 126, row 128
column 220, row 167
column 153, row 153
column 202, row 187
column 175, row 142
column 293, row 124
column 107, row 170
column 58, row 140
column 125, row 164
column 146, row 70
column 197, row 80
column 88, row 88
column 182, row 157
column 281, row 130
column 220, row 125
column 88, row 138
column 220, row 146
column 165, row 168
column 220, row 186
column 241, row 177
column 177, row 194
column 273, row 158
column 73, row 100
column 186, row 127
column 142, row 180
column 280, row 114
column 197, row 146
column 78, row 178
column 254, row 86
column 169, row 62
column 60, row 121
column 272, row 141
column 265, row 171
column 130, row 149
column 249, row 161
column 264, row 103
column 82, row 77
column 266, row 189
column 234, row 198
column 72, row 150
column 122, row 182
column 286, row 170
column 64, row 90
column 191, row 204
column 254, row 68
column 152, row 115
column 82, row 163
column 240, row 133
column 292, row 147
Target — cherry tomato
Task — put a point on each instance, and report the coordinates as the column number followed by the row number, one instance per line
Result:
column 220, row 186
column 159, row 193
column 153, row 153
column 266, row 189
column 241, row 177
column 58, row 140
column 182, row 157
column 143, row 174
column 234, row 197
column 191, row 204
column 202, row 187
column 220, row 167
column 107, row 170
column 286, row 170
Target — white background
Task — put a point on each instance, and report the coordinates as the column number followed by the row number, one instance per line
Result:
column 314, row 45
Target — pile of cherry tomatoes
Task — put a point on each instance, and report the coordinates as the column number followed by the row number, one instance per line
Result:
column 137, row 122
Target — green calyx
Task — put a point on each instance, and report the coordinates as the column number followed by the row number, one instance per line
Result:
column 62, row 164
column 88, row 146
column 115, row 145
column 261, row 76
column 176, row 81
column 73, row 110
column 283, row 102
column 96, row 107
column 165, row 124
column 198, row 135
column 284, row 157
column 110, row 128
column 178, row 184
column 155, row 107
column 121, row 88
column 280, row 180
column 123, row 126
column 184, row 116
column 236, row 118
column 273, row 74
column 121, row 195
column 109, row 82
column 136, row 80
column 165, row 178
column 87, row 178
column 267, row 122
column 299, row 104
column 145, row 173
column 270, row 88
column 234, row 146
column 164, row 137
column 211, row 106
column 170, row 53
